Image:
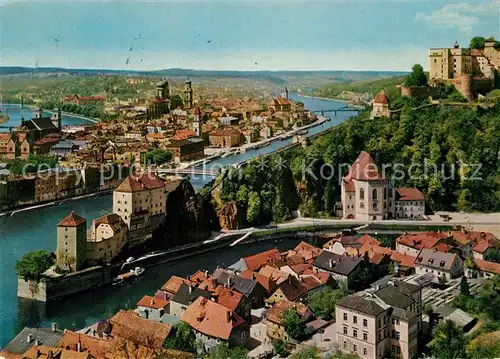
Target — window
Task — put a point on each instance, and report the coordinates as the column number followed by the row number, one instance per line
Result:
column 379, row 336
column 345, row 330
column 345, row 344
column 354, row 319
column 397, row 335
column 375, row 205
column 345, row 316
column 365, row 352
column 354, row 348
column 361, row 205
column 354, row 333
column 365, row 323
column 374, row 194
column 361, row 193
column 385, row 193
column 365, row 336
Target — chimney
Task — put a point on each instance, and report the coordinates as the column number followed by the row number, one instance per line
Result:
column 190, row 289
column 229, row 315
column 152, row 302
column 53, row 327
column 78, row 346
column 29, row 338
column 37, row 342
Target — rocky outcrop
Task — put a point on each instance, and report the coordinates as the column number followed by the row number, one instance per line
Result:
column 230, row 217
column 190, row 218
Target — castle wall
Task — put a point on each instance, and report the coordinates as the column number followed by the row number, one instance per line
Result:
column 418, row 91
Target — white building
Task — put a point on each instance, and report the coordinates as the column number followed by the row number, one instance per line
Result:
column 141, row 202
column 442, row 265
column 410, row 203
column 106, row 238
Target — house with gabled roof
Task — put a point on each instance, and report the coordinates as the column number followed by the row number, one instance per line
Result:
column 215, row 324
column 442, row 265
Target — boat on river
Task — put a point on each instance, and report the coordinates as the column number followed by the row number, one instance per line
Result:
column 136, row 272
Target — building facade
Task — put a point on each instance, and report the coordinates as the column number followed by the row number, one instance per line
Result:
column 140, row 201
column 106, row 238
column 229, row 137
column 71, row 242
column 380, row 106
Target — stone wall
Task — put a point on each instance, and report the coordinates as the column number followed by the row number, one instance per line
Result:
column 418, row 91
column 53, row 288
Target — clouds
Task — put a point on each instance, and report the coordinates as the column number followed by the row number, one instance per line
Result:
column 460, row 16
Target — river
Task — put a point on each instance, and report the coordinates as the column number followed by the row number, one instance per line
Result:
column 37, row 230
column 15, row 113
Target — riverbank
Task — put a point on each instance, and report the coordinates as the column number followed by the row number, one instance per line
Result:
column 75, row 115
column 23, row 209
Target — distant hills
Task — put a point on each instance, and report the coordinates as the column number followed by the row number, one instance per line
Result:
column 18, row 70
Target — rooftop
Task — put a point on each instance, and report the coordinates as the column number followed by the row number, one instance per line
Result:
column 44, row 336
column 364, row 169
column 336, row 263
column 140, row 182
column 72, row 220
column 360, row 304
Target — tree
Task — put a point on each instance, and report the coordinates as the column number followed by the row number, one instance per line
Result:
column 253, row 211
column 32, row 265
column 417, row 76
column 464, row 287
column 293, row 324
column 306, row 353
column 322, row 303
column 477, row 42
column 492, row 255
column 280, row 348
column 223, row 351
column 449, row 341
column 158, row 156
column 183, row 339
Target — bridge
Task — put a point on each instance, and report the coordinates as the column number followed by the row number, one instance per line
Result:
column 187, row 172
column 341, row 109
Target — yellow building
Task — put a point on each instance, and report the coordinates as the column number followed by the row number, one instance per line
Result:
column 106, row 238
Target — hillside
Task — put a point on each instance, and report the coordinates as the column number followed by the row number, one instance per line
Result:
column 347, row 90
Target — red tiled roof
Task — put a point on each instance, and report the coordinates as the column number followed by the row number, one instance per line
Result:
column 152, row 302
column 210, row 318
column 183, row 135
column 486, row 266
column 196, row 111
column 409, row 194
column 421, row 240
column 364, row 169
column 349, row 186
column 476, row 52
column 268, row 284
column 229, row 298
column 275, row 313
column 174, row 283
column 404, row 260
column 256, row 261
column 96, row 347
column 484, row 244
column 46, row 140
column 381, row 98
column 367, row 239
column 199, row 276
column 310, row 282
column 71, row 220
column 130, row 326
column 140, row 182
column 300, row 267
column 306, row 248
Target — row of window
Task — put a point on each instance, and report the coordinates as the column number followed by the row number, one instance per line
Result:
column 355, row 334
column 355, row 320
column 374, row 193
column 355, row 348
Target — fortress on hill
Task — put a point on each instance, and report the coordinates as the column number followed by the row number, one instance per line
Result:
column 471, row 71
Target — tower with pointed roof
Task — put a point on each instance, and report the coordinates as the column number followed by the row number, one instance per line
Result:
column 71, row 242
column 380, row 107
column 196, row 121
column 366, row 193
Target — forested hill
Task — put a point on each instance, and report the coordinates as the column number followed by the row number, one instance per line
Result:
column 460, row 146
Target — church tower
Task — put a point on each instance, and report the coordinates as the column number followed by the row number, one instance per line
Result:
column 196, row 121
column 56, row 118
column 286, row 93
column 188, row 95
column 163, row 90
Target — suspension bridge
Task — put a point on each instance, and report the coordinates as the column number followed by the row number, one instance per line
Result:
column 341, row 109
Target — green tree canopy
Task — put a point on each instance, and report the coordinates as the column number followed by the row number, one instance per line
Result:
column 184, row 339
column 448, row 341
column 32, row 265
column 306, row 353
column 417, row 76
column 322, row 303
column 293, row 324
column 464, row 287
column 223, row 351
column 158, row 156
column 477, row 42
column 280, row 348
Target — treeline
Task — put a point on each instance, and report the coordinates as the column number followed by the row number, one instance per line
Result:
column 92, row 111
column 451, row 154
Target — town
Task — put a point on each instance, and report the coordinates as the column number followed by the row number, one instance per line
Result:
column 185, row 180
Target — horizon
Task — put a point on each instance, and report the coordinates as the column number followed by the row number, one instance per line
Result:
column 238, row 36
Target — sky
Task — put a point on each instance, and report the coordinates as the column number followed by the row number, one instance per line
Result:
column 238, row 35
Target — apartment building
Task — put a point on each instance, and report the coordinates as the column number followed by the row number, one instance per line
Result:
column 443, row 265
column 384, row 322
